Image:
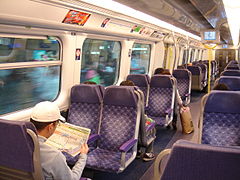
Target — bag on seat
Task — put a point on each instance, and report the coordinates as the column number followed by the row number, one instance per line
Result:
column 186, row 120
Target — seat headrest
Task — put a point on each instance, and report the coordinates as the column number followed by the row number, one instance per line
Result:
column 233, row 66
column 181, row 73
column 223, row 102
column 120, row 96
column 195, row 70
column 230, row 73
column 140, row 80
column 87, row 93
column 16, row 145
column 231, row 81
column 163, row 81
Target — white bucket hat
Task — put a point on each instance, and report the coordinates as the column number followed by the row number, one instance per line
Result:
column 46, row 112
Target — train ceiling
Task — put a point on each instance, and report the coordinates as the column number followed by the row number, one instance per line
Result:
column 190, row 15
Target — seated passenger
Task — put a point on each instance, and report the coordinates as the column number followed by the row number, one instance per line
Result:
column 158, row 71
column 221, row 86
column 46, row 116
column 148, row 155
column 89, row 82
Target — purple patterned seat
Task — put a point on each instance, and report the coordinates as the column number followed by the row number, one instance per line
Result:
column 85, row 107
column 161, row 99
column 117, row 143
column 85, row 111
column 204, row 69
column 142, row 81
column 230, row 73
column 191, row 161
column 220, row 119
column 147, row 132
column 232, row 67
column 197, row 77
column 19, row 153
column 233, row 82
column 184, row 79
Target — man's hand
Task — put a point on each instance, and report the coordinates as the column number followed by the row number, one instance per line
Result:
column 84, row 149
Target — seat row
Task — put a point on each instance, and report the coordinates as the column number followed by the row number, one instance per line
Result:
column 160, row 93
column 219, row 140
column 219, row 143
column 200, row 70
column 116, row 119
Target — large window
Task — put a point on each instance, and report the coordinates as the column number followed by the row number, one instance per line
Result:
column 100, row 61
column 29, row 72
column 140, row 58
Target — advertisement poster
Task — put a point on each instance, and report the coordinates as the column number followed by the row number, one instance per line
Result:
column 76, row 17
column 78, row 54
column 136, row 28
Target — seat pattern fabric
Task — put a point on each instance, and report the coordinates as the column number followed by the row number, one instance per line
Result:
column 16, row 145
column 183, row 87
column 191, row 161
column 160, row 100
column 222, row 129
column 105, row 160
column 85, row 115
column 115, row 130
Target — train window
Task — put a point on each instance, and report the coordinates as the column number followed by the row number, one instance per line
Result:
column 6, row 46
column 100, row 61
column 140, row 58
column 23, row 50
column 24, row 82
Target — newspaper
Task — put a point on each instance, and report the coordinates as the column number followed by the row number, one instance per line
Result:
column 69, row 138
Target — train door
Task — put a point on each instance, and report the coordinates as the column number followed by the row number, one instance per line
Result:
column 223, row 56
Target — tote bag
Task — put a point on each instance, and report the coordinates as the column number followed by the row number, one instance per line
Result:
column 186, row 120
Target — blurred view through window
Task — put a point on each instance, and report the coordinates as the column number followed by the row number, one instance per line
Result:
column 27, row 72
column 100, row 61
column 140, row 58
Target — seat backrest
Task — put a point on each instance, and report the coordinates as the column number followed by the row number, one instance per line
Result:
column 19, row 153
column 184, row 79
column 197, row 77
column 232, row 67
column 120, row 117
column 220, row 118
column 142, row 81
column 191, row 161
column 233, row 82
column 204, row 71
column 86, row 105
column 230, row 73
column 162, row 94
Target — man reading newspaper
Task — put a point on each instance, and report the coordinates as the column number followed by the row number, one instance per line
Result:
column 46, row 116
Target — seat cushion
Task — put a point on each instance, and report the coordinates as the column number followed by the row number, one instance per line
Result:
column 105, row 160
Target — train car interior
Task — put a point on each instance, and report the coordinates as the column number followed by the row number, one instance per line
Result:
column 126, row 70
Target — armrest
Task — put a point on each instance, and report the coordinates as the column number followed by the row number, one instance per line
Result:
column 150, row 126
column 93, row 138
column 128, row 145
column 187, row 94
column 168, row 111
